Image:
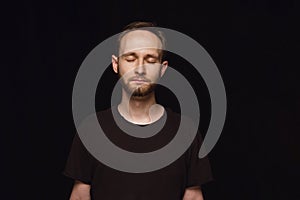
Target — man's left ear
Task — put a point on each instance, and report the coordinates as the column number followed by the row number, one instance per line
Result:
column 164, row 66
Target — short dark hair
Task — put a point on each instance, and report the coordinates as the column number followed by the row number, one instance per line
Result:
column 142, row 25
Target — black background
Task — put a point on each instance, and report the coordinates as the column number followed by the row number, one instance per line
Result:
column 255, row 45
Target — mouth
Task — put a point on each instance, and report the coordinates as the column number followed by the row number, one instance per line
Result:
column 139, row 80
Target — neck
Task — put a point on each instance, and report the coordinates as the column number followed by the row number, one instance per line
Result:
column 140, row 110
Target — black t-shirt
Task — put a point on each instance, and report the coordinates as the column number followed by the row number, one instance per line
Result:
column 168, row 183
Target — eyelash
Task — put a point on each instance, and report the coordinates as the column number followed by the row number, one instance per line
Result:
column 152, row 61
column 149, row 61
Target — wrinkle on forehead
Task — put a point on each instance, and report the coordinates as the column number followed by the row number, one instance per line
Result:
column 138, row 40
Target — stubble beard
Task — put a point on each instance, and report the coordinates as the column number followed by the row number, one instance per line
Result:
column 141, row 91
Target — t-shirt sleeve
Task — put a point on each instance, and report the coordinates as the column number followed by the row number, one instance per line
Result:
column 199, row 170
column 80, row 164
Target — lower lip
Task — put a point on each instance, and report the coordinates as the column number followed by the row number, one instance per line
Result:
column 139, row 81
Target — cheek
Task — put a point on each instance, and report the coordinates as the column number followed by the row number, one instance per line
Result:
column 125, row 71
column 154, row 72
column 124, row 68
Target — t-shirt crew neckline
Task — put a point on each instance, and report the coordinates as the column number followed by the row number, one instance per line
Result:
column 119, row 115
column 136, row 130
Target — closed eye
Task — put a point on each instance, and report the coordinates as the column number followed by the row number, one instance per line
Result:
column 152, row 60
column 130, row 60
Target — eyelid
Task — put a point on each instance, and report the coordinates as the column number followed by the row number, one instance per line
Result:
column 130, row 60
column 152, row 59
column 130, row 57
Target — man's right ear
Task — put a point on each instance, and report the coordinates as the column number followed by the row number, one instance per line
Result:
column 115, row 63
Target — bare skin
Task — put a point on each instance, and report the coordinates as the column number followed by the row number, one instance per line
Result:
column 80, row 191
column 140, row 66
column 193, row 193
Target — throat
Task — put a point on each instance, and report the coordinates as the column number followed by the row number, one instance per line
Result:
column 141, row 115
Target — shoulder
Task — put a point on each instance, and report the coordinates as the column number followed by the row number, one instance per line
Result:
column 181, row 117
column 183, row 122
column 105, row 112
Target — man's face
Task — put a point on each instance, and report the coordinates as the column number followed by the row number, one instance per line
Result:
column 139, row 62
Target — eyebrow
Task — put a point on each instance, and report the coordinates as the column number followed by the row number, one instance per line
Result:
column 129, row 54
column 135, row 55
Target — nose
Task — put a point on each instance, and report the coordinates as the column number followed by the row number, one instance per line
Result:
column 140, row 69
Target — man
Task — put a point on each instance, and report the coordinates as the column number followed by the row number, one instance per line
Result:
column 140, row 65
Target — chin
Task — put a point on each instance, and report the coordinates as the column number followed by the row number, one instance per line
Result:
column 143, row 91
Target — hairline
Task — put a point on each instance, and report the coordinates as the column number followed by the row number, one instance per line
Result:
column 157, row 33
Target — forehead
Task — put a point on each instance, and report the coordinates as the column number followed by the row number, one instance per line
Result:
column 138, row 40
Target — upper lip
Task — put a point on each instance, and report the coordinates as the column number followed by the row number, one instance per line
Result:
column 139, row 79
